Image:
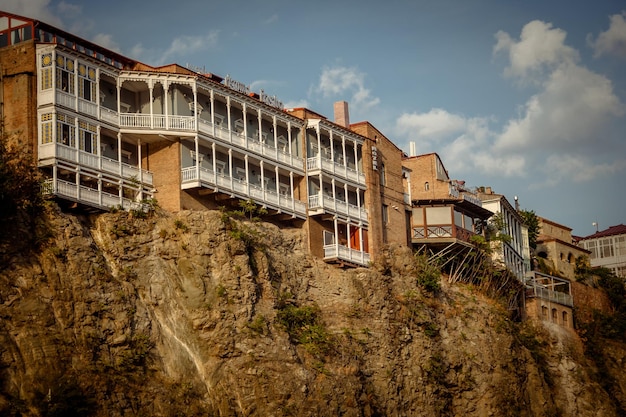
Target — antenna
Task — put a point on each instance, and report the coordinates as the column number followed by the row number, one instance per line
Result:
column 596, row 225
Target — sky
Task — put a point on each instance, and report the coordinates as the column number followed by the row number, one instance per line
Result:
column 525, row 96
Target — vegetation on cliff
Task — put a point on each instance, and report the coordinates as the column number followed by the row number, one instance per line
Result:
column 217, row 313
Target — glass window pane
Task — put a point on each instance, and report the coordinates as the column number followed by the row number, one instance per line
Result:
column 438, row 215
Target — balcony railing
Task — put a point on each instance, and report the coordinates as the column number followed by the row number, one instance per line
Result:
column 317, row 202
column 90, row 196
column 549, row 295
column 245, row 190
column 251, row 144
column 332, row 167
column 157, row 121
column 344, row 253
column 100, row 163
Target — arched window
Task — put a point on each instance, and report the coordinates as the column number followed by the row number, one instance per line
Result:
column 565, row 319
column 554, row 316
column 544, row 312
column 426, row 186
column 570, row 258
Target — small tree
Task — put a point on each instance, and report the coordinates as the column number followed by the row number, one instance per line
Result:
column 532, row 222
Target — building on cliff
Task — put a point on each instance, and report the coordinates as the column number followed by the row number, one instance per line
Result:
column 607, row 248
column 446, row 214
column 109, row 131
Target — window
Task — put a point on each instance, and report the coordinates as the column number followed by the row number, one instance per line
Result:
column 385, row 214
column 46, row 71
column 605, row 248
column 565, row 319
column 66, row 133
column 383, row 180
column 86, row 82
column 46, row 128
column 65, row 74
column 87, row 137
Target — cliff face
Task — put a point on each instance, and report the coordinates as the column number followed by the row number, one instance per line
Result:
column 199, row 314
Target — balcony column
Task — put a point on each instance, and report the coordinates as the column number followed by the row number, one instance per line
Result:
column 229, row 119
column 119, row 153
column 348, row 239
column 97, row 83
column 140, row 169
column 120, row 192
column 118, row 92
column 336, row 226
column 98, row 148
column 245, row 161
column 332, row 149
column 345, row 156
column 332, row 187
column 358, row 201
column 345, row 197
column 212, row 101
column 275, row 135
column 166, row 87
column 55, row 177
column 195, row 105
column 293, row 199
column 245, row 123
column 197, row 148
column 319, row 146
column 289, row 138
column 356, row 161
column 230, row 167
column 262, row 178
column 214, row 155
column 100, row 189
column 151, row 91
column 322, row 194
column 260, row 120
column 361, row 242
column 277, row 182
column 77, row 182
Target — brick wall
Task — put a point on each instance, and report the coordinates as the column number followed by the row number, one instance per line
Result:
column 18, row 89
column 424, row 170
column 163, row 159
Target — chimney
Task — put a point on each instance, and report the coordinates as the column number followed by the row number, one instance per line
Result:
column 412, row 149
column 488, row 190
column 342, row 116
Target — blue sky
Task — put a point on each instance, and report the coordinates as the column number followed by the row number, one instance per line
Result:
column 528, row 97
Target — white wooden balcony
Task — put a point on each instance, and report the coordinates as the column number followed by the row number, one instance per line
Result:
column 251, row 144
column 193, row 177
column 320, row 204
column 336, row 251
column 98, row 163
column 157, row 121
column 317, row 163
column 89, row 196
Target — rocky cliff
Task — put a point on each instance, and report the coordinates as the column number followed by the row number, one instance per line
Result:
column 201, row 314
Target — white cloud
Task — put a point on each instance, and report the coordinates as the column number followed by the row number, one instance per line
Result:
column 296, row 104
column 36, row 9
column 435, row 124
column 566, row 132
column 576, row 168
column 338, row 81
column 613, row 41
column 188, row 45
column 106, row 40
column 272, row 19
column 575, row 105
column 540, row 48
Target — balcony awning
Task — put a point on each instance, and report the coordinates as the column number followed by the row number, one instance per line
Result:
column 465, row 205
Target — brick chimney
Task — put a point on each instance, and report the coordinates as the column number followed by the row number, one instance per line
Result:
column 342, row 116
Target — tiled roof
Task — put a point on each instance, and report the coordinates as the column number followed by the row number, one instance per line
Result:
column 620, row 229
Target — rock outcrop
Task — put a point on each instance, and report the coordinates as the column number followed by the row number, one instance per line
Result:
column 200, row 314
